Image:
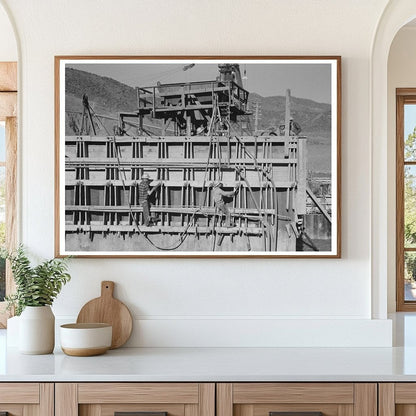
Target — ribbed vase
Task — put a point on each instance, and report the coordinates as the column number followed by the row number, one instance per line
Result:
column 37, row 330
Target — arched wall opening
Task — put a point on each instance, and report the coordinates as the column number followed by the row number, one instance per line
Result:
column 401, row 73
column 396, row 16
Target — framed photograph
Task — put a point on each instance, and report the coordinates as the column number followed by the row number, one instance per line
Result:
column 198, row 156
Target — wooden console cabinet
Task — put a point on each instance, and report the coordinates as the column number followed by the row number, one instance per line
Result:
column 208, row 399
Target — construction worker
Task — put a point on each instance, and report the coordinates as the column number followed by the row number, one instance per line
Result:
column 294, row 128
column 218, row 195
column 144, row 195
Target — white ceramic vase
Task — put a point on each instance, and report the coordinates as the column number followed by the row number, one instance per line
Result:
column 37, row 330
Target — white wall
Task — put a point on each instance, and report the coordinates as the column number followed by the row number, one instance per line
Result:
column 401, row 74
column 201, row 299
column 8, row 47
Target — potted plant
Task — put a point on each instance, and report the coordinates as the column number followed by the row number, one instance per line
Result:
column 36, row 289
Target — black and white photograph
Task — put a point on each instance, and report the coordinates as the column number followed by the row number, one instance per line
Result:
column 203, row 156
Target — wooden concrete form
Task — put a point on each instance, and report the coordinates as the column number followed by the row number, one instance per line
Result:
column 103, row 174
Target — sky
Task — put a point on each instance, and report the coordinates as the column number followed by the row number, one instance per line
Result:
column 305, row 80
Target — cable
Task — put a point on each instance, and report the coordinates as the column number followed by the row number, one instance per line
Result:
column 134, row 217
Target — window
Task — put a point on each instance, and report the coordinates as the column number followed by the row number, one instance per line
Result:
column 2, row 206
column 8, row 169
column 406, row 199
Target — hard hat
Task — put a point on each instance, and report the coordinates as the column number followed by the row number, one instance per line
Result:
column 145, row 176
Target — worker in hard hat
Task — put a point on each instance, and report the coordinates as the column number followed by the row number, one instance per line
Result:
column 218, row 195
column 144, row 195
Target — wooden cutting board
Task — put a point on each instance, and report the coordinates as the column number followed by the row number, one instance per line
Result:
column 107, row 309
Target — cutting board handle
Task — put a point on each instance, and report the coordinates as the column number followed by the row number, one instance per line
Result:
column 107, row 289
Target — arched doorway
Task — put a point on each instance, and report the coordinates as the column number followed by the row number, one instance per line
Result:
column 396, row 15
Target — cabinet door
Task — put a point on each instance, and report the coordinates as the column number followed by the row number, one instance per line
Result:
column 397, row 399
column 142, row 399
column 297, row 399
column 26, row 399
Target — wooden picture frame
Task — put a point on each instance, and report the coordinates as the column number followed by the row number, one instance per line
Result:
column 232, row 172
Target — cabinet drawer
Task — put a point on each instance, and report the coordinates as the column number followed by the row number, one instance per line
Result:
column 297, row 399
column 146, row 399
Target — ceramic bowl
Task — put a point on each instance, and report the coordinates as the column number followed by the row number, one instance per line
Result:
column 84, row 340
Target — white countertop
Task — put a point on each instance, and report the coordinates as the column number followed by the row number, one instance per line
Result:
column 215, row 364
column 221, row 364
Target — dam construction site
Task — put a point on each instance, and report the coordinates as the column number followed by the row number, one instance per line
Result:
column 215, row 181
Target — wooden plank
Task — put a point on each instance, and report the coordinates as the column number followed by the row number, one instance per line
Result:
column 66, row 399
column 178, row 139
column 339, row 156
column 8, row 105
column 173, row 183
column 386, row 399
column 8, row 76
column 91, row 410
column 171, row 162
column 47, row 399
column 207, row 399
column 31, row 410
column 287, row 122
column 224, row 399
column 11, row 195
column 24, row 393
column 405, row 91
column 138, row 393
column 400, row 303
column 341, row 393
column 302, row 173
column 178, row 209
column 345, row 410
column 365, row 399
column 57, row 157
column 405, row 393
column 405, row 410
column 190, row 410
column 246, row 410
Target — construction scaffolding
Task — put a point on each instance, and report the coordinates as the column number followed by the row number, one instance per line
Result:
column 203, row 139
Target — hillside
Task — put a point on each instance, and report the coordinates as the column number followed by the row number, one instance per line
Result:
column 108, row 97
column 314, row 118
